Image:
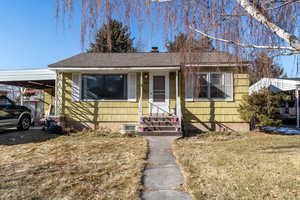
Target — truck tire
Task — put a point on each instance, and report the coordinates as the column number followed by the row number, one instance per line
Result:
column 24, row 123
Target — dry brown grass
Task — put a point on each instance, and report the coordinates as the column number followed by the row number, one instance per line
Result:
column 249, row 167
column 73, row 167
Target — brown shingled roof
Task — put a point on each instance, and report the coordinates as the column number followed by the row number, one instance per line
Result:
column 146, row 59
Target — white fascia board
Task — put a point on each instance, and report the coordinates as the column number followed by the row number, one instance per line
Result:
column 129, row 69
column 27, row 75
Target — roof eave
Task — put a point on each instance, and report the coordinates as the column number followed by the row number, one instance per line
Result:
column 60, row 68
column 219, row 65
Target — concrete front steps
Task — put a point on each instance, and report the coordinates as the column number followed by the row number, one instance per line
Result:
column 159, row 126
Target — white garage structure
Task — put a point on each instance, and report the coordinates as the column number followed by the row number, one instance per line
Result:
column 40, row 79
column 278, row 85
column 275, row 84
column 34, row 78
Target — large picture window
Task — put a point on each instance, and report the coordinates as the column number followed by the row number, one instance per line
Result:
column 209, row 85
column 104, row 87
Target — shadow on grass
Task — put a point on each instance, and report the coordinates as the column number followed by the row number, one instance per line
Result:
column 280, row 149
column 14, row 137
column 278, row 152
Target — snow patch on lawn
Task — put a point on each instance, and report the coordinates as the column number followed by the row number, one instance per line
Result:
column 282, row 130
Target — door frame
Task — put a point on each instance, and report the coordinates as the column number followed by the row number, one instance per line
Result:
column 167, row 86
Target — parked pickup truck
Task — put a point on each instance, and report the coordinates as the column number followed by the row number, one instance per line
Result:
column 12, row 115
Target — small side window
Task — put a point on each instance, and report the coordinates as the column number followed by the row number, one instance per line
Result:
column 211, row 85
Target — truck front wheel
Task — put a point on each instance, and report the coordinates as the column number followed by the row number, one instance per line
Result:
column 24, row 123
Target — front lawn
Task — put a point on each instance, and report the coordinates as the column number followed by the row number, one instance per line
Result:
column 73, row 167
column 241, row 167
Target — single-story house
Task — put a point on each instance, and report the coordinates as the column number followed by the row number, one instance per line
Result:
column 157, row 92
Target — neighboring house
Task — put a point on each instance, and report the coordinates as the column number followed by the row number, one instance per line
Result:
column 152, row 89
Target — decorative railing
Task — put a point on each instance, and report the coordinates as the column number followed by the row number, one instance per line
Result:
column 157, row 109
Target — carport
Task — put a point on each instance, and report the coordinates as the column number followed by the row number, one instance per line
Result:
column 278, row 85
column 34, row 79
column 41, row 79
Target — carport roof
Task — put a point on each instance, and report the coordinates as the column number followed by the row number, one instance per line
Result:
column 36, row 78
column 275, row 84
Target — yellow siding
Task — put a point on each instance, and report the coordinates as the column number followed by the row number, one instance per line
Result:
column 110, row 111
column 97, row 111
column 48, row 99
column 241, row 89
column 241, row 82
column 127, row 112
column 145, row 92
column 172, row 103
column 213, row 118
column 219, row 111
column 208, row 111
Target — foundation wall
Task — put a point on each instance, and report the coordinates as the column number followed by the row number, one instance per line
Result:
column 219, row 127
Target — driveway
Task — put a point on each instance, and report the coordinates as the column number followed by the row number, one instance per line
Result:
column 33, row 135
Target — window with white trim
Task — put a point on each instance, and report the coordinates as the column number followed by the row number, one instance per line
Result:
column 104, row 86
column 209, row 85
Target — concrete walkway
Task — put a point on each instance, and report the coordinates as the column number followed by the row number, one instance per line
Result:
column 162, row 177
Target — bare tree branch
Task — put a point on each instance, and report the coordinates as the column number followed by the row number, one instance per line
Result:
column 283, row 4
column 285, row 54
column 251, row 23
column 257, row 14
column 245, row 45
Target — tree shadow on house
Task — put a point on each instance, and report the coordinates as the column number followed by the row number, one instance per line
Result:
column 79, row 115
column 211, row 125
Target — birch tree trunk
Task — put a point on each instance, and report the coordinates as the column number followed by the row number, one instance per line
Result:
column 291, row 39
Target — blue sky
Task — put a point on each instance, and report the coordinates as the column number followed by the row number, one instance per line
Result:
column 30, row 37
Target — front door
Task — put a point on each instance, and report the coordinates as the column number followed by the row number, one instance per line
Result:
column 159, row 93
